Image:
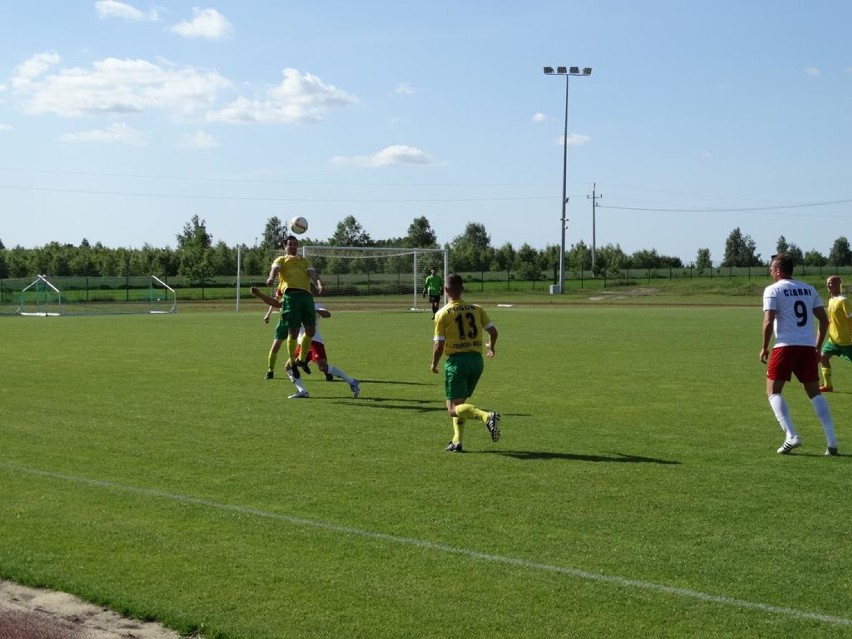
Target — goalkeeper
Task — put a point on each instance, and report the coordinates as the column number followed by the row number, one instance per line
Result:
column 432, row 289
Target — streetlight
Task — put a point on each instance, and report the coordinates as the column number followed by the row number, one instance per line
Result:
column 567, row 72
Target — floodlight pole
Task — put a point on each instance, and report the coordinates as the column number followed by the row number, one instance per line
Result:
column 567, row 72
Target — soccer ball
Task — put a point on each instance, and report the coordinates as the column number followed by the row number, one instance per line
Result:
column 298, row 225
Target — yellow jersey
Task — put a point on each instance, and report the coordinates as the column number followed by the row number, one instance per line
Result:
column 293, row 273
column 840, row 326
column 461, row 326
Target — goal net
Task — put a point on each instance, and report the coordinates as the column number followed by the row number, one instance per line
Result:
column 388, row 271
column 64, row 295
column 40, row 299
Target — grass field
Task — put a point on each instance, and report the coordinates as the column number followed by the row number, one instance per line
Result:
column 146, row 465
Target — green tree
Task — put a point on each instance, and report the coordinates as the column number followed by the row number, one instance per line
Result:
column 349, row 232
column 420, row 234
column 815, row 258
column 505, row 258
column 529, row 263
column 579, row 256
column 840, row 254
column 4, row 264
column 195, row 235
column 703, row 262
column 611, row 258
column 274, row 234
column 781, row 246
column 740, row 250
column 471, row 251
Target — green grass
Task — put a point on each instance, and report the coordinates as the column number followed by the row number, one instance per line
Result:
column 146, row 465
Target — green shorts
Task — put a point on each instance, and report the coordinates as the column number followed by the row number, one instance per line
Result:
column 461, row 374
column 830, row 348
column 297, row 308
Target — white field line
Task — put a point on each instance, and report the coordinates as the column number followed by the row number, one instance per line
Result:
column 428, row 545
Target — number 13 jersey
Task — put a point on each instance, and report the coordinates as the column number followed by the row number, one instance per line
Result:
column 461, row 326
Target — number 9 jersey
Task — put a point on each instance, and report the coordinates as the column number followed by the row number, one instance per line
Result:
column 794, row 303
column 461, row 326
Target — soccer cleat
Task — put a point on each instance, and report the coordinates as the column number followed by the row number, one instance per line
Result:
column 831, row 452
column 329, row 377
column 789, row 445
column 826, row 389
column 270, row 374
column 303, row 365
column 356, row 388
column 300, row 395
column 493, row 425
column 454, row 448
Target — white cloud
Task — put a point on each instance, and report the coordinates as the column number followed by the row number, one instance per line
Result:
column 199, row 140
column 205, row 23
column 812, row 71
column 574, row 139
column 298, row 99
column 119, row 132
column 404, row 88
column 114, row 9
column 394, row 155
column 5, row 127
column 539, row 117
column 32, row 69
column 114, row 85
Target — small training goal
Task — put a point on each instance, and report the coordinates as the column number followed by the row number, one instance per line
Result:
column 386, row 271
column 57, row 296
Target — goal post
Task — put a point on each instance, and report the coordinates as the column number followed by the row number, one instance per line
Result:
column 370, row 270
column 163, row 298
column 40, row 299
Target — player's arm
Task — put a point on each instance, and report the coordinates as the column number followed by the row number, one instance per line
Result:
column 489, row 345
column 315, row 280
column 768, row 322
column 263, row 296
column 437, row 352
column 822, row 329
column 273, row 272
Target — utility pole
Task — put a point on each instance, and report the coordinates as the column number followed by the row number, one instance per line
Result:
column 594, row 198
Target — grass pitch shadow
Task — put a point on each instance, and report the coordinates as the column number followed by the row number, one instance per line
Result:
column 618, row 458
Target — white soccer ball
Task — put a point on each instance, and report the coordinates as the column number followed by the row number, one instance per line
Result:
column 298, row 225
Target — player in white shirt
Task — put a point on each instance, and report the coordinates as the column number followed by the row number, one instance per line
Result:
column 317, row 354
column 789, row 307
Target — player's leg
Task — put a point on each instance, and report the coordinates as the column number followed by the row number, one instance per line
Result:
column 808, row 375
column 778, row 372
column 825, row 367
column 468, row 369
column 272, row 357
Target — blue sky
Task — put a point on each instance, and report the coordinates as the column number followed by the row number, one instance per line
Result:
column 119, row 121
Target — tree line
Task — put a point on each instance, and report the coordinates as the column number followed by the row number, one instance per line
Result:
column 197, row 258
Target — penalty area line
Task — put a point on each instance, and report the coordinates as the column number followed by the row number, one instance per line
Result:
column 615, row 580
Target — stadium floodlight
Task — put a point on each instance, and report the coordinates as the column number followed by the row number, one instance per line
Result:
column 567, row 72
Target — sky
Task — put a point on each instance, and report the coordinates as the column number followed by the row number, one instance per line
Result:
column 120, row 121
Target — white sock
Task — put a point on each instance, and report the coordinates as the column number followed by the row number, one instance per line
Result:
column 824, row 413
column 782, row 414
column 339, row 373
column 298, row 383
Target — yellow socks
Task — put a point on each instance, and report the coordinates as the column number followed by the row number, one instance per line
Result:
column 458, row 430
column 469, row 411
column 826, row 375
column 305, row 347
column 273, row 357
column 292, row 343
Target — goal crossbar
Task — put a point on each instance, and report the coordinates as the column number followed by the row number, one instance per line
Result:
column 372, row 252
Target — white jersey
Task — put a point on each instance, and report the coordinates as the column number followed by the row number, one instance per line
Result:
column 793, row 303
column 317, row 337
